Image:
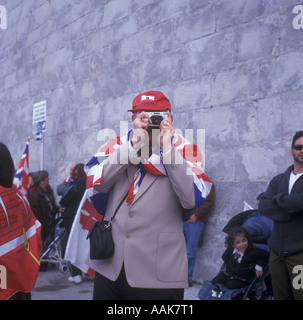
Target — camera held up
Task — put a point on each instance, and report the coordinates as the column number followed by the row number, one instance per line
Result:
column 156, row 118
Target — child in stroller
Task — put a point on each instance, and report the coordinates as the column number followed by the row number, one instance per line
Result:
column 242, row 260
column 258, row 230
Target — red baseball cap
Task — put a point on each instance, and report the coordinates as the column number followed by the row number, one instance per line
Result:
column 150, row 100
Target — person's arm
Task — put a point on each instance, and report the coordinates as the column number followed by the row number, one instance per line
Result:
column 125, row 155
column 226, row 255
column 261, row 261
column 69, row 194
column 269, row 207
column 37, row 208
column 203, row 211
column 113, row 167
column 62, row 188
column 292, row 203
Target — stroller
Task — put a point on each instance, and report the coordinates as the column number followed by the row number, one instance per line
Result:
column 52, row 255
column 260, row 228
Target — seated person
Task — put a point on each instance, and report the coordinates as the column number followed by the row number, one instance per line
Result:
column 242, row 261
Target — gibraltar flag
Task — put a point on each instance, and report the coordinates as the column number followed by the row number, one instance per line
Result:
column 20, row 244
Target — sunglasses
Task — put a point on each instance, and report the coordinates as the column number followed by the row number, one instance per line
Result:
column 298, row 146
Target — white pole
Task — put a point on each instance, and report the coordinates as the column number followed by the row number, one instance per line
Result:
column 41, row 152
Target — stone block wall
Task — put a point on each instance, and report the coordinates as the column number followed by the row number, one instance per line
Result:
column 231, row 67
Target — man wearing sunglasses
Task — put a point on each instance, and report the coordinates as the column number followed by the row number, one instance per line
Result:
column 283, row 202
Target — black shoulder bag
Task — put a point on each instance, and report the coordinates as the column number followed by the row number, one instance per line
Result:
column 101, row 239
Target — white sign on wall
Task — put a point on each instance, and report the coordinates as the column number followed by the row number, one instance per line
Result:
column 39, row 117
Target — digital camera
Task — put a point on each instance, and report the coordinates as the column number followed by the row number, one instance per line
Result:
column 156, row 117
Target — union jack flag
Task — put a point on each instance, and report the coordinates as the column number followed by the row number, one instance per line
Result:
column 190, row 153
column 21, row 180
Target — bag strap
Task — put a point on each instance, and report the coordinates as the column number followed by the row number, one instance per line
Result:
column 111, row 219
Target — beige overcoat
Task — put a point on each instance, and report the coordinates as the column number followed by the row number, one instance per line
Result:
column 148, row 233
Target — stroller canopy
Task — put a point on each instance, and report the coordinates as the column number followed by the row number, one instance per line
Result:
column 259, row 227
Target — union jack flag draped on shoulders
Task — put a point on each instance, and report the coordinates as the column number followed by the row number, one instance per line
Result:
column 93, row 205
column 21, row 180
column 190, row 153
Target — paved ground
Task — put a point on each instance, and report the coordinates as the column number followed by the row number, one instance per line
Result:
column 54, row 285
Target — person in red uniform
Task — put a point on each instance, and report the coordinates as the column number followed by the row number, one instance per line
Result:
column 20, row 236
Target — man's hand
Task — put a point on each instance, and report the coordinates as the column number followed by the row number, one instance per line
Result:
column 141, row 122
column 192, row 218
column 166, row 134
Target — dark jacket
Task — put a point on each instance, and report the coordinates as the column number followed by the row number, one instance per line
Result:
column 246, row 268
column 44, row 207
column 286, row 210
column 72, row 197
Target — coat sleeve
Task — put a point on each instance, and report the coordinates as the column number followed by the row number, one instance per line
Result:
column 69, row 194
column 226, row 255
column 269, row 207
column 114, row 166
column 203, row 211
column 62, row 188
column 38, row 208
column 292, row 203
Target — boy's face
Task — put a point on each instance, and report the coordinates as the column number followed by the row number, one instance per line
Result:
column 240, row 242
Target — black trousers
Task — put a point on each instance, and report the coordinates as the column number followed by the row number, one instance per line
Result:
column 105, row 289
column 21, row 296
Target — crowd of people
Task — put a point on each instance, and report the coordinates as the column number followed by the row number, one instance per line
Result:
column 158, row 228
column 50, row 214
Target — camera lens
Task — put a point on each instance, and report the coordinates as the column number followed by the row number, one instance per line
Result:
column 156, row 119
